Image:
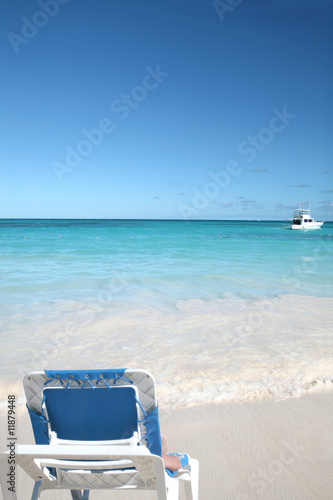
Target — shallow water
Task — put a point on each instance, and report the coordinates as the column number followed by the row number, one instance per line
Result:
column 217, row 310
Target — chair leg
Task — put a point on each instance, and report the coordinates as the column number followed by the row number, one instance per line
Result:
column 172, row 485
column 192, row 485
column 36, row 490
column 76, row 495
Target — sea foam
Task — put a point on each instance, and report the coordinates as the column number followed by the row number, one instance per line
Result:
column 199, row 352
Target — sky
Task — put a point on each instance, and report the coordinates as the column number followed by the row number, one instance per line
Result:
column 176, row 109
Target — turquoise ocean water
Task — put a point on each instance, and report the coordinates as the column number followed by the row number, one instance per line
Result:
column 139, row 281
column 163, row 261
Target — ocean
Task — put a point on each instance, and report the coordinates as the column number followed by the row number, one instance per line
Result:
column 216, row 310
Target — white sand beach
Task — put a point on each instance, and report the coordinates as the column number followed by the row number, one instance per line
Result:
column 247, row 451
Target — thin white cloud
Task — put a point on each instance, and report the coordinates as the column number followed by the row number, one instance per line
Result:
column 248, row 202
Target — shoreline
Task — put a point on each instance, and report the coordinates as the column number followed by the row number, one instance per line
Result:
column 248, row 450
column 223, row 350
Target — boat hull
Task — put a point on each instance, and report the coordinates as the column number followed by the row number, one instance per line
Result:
column 315, row 225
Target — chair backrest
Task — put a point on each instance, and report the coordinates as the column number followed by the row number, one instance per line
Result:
column 93, row 405
column 92, row 414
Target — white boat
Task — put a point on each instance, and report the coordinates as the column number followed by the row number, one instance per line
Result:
column 303, row 220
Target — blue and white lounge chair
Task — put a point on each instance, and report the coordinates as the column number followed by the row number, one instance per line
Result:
column 96, row 430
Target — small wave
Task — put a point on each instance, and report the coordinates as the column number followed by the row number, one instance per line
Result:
column 205, row 351
column 202, row 391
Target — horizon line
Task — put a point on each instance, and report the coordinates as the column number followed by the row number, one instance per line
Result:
column 151, row 219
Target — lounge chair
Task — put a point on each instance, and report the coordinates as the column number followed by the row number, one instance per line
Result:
column 96, row 430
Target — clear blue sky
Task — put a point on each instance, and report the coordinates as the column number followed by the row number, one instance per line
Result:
column 166, row 109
